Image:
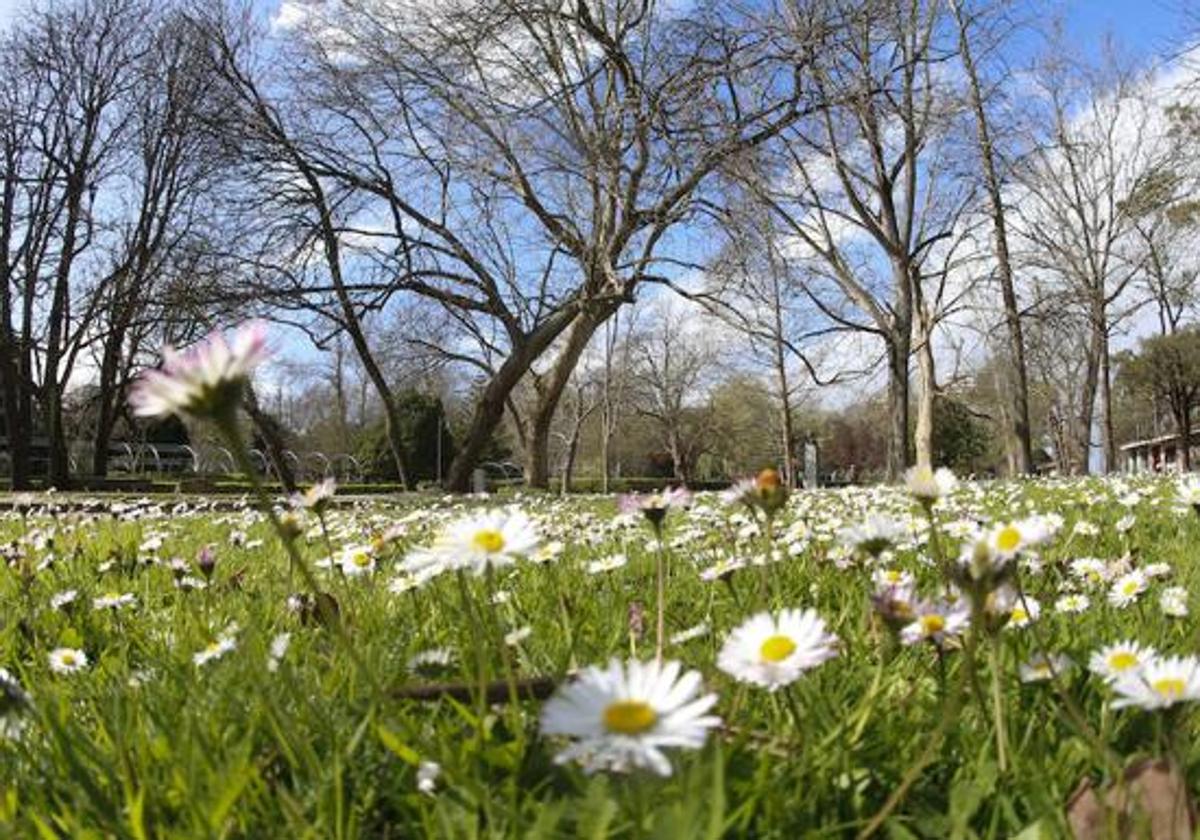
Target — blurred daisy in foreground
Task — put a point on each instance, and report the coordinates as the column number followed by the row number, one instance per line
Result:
column 622, row 716
column 771, row 651
column 1160, row 684
column 1120, row 659
column 204, row 381
column 67, row 660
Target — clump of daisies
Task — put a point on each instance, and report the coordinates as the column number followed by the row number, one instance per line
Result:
column 773, row 651
column 622, row 716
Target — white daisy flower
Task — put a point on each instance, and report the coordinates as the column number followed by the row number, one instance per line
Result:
column 1160, row 684
column 1173, row 602
column 772, row 651
column 607, row 564
column 935, row 622
column 63, row 599
column 622, row 716
column 113, row 600
column 1120, row 659
column 357, row 560
column 427, row 776
column 1040, row 668
column 694, row 632
column 65, row 660
column 215, row 650
column 493, row 538
column 279, row 647
column 1127, row 588
column 928, row 485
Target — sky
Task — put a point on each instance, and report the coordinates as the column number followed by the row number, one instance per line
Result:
column 1145, row 27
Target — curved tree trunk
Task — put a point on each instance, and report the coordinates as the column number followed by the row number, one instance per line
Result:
column 923, row 434
column 489, row 410
column 550, row 390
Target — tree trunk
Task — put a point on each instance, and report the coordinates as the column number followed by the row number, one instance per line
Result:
column 550, row 390
column 1108, row 434
column 1017, row 438
column 1185, row 440
column 106, row 416
column 897, row 393
column 271, row 432
column 489, row 410
column 1087, row 407
column 928, row 375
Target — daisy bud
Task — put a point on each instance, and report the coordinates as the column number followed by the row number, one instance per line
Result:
column 637, row 620
column 206, row 562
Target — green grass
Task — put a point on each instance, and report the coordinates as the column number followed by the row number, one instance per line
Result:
column 324, row 748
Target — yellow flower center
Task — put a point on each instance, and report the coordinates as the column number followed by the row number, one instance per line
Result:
column 777, row 649
column 68, row 659
column 1122, row 661
column 1130, row 587
column 932, row 624
column 361, row 559
column 892, row 576
column 629, row 717
column 1018, row 615
column 1008, row 539
column 1170, row 687
column 489, row 541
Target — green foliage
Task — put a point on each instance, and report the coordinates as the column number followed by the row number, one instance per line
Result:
column 961, row 440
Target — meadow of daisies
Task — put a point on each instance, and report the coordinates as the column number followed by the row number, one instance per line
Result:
column 936, row 659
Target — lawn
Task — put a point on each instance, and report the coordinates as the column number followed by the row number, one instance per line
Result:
column 171, row 674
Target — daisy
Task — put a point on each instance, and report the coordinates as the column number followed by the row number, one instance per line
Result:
column 694, row 632
column 63, row 599
column 1040, row 668
column 654, row 506
column 427, row 776
column 316, row 498
column 723, row 569
column 935, row 622
column 1173, row 602
column 927, row 485
column 215, row 650
column 278, row 649
column 1160, row 684
column 1073, row 603
column 1120, row 660
column 430, row 662
column 607, row 564
column 623, row 715
column 113, row 600
column 873, row 536
column 1024, row 612
column 67, row 660
column 204, row 381
column 357, row 560
column 772, row 651
column 490, row 539
column 1126, row 589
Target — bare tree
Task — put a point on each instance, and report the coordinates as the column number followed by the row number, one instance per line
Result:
column 1078, row 218
column 581, row 132
column 977, row 21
